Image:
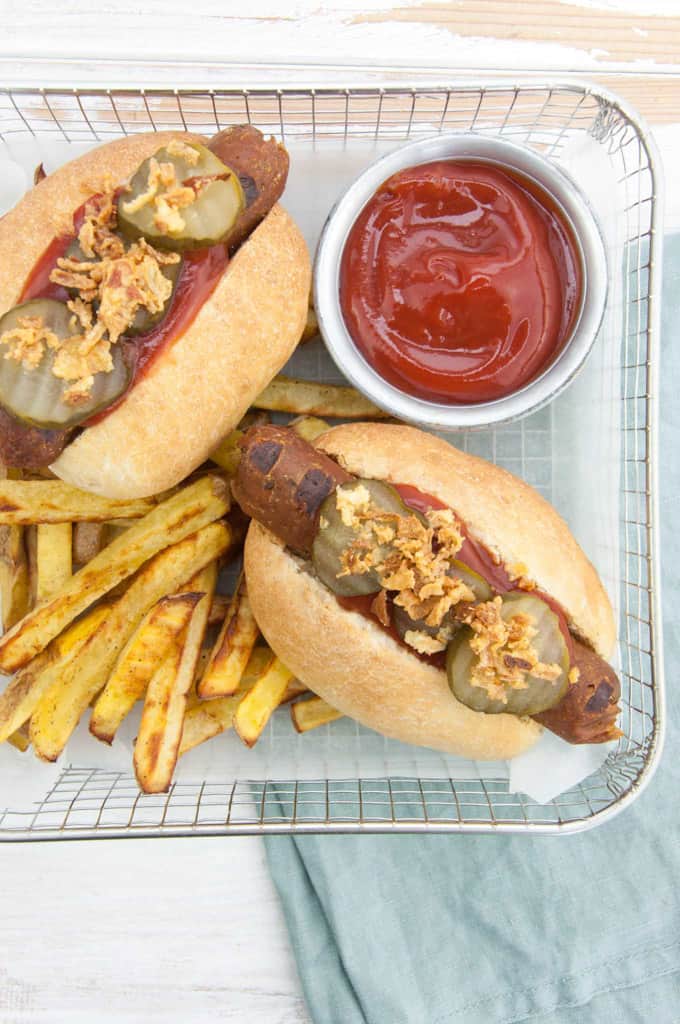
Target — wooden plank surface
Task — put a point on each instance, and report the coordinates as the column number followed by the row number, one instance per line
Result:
column 174, row 931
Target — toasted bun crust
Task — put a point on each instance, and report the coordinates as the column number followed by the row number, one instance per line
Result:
column 201, row 385
column 363, row 672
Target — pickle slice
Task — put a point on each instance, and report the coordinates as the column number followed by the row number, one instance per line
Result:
column 334, row 538
column 477, row 584
column 34, row 396
column 206, row 220
column 540, row 694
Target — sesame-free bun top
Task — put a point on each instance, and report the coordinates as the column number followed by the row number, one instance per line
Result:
column 200, row 385
column 358, row 668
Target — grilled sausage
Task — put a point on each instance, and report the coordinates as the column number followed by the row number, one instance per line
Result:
column 281, row 481
column 29, row 447
column 588, row 711
column 262, row 167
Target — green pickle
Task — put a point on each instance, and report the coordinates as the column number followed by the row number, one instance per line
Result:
column 34, row 396
column 206, row 221
column 334, row 538
column 540, row 694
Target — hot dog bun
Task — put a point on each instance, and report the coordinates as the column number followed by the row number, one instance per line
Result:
column 360, row 670
column 200, row 386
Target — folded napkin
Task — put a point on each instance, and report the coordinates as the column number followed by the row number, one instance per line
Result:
column 498, row 929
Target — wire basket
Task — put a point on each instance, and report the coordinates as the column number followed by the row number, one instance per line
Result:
column 97, row 802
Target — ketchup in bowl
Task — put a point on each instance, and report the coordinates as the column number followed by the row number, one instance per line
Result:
column 460, row 281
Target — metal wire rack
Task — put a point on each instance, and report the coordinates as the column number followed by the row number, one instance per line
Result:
column 98, row 802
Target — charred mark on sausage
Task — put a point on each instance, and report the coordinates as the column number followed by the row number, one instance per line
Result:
column 601, row 698
column 265, row 455
column 313, row 488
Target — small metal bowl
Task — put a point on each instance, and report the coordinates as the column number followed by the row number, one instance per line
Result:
column 555, row 377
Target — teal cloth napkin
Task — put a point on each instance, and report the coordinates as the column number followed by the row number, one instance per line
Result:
column 583, row 929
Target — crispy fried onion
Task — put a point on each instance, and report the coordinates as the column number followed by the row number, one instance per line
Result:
column 411, row 558
column 505, row 654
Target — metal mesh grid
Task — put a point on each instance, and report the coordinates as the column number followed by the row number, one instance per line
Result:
column 105, row 803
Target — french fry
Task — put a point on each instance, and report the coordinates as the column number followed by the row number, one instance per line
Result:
column 228, row 454
column 25, row 691
column 208, row 718
column 147, row 752
column 311, row 328
column 54, row 559
column 53, row 501
column 182, row 514
column 309, row 427
column 19, row 739
column 88, row 540
column 286, row 394
column 160, row 731
column 232, row 649
column 310, row 714
column 205, row 719
column 260, row 702
column 218, row 609
column 294, row 689
column 159, row 630
column 202, row 662
column 14, row 578
column 258, row 662
column 60, row 709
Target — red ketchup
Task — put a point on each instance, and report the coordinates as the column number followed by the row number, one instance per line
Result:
column 201, row 270
column 472, row 554
column 460, row 281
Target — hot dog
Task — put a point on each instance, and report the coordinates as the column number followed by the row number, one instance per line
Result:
column 487, row 579
column 155, row 289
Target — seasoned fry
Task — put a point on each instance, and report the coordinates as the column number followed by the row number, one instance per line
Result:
column 179, row 516
column 159, row 630
column 227, row 454
column 25, row 690
column 14, row 579
column 310, row 714
column 53, row 501
column 218, row 609
column 60, row 709
column 208, row 718
column 311, row 328
column 160, row 730
column 258, row 663
column 232, row 649
column 54, row 559
column 294, row 689
column 146, row 759
column 309, row 427
column 20, row 740
column 257, row 706
column 88, row 540
column 285, row 394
